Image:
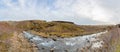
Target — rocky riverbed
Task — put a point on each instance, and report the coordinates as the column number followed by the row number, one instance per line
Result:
column 74, row 44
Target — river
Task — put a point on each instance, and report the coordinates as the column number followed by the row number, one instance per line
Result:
column 74, row 44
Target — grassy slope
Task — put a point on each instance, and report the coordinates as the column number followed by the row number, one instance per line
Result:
column 58, row 29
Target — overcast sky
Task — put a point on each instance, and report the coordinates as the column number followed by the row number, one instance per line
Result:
column 78, row 11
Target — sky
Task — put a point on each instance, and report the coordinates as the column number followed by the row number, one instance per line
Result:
column 77, row 11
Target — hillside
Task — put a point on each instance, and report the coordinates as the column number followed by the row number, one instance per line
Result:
column 59, row 28
column 12, row 37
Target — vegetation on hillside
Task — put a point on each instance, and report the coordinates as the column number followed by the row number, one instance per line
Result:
column 58, row 28
column 11, row 40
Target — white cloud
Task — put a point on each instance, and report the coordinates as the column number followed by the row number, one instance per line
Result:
column 70, row 10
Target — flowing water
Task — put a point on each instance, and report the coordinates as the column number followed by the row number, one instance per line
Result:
column 73, row 44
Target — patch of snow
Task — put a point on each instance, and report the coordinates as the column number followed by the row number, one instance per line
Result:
column 37, row 38
column 47, row 43
column 97, row 44
column 69, row 43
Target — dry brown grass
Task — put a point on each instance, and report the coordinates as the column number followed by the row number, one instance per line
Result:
column 11, row 40
column 59, row 29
